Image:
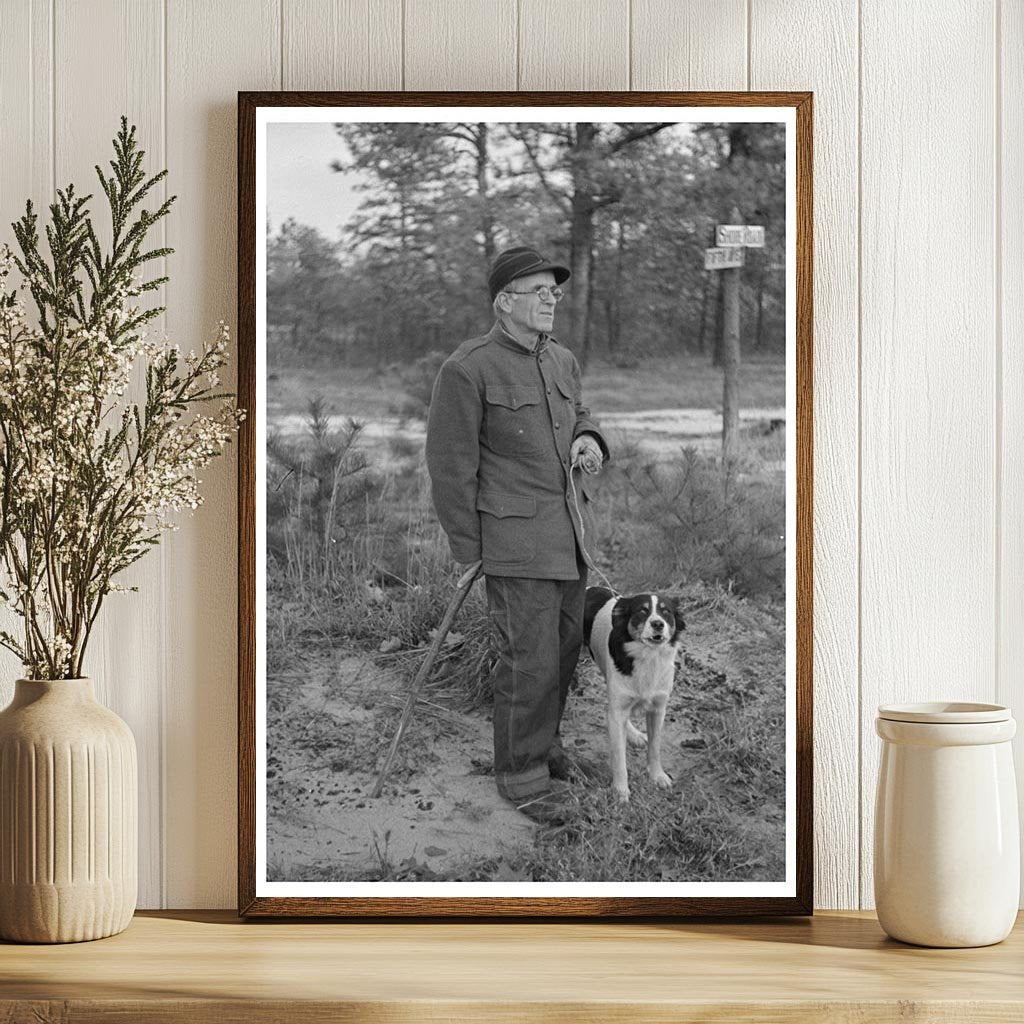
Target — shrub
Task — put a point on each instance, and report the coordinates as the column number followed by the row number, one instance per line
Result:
column 317, row 485
column 356, row 556
column 670, row 524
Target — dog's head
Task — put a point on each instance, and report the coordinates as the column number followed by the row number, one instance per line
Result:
column 649, row 618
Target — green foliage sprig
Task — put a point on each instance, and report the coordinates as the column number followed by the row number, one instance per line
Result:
column 88, row 477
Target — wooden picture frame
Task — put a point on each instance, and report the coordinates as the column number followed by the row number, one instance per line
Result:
column 794, row 896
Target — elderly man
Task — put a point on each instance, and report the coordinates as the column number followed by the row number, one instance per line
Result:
column 507, row 426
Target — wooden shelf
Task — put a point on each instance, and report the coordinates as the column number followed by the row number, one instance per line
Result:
column 208, row 966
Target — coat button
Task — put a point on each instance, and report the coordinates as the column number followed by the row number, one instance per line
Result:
column 557, row 425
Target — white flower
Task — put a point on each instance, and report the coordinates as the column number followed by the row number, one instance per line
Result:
column 63, row 412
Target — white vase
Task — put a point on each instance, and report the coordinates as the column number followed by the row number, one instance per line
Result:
column 947, row 846
column 68, row 815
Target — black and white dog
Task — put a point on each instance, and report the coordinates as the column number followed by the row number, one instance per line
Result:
column 634, row 642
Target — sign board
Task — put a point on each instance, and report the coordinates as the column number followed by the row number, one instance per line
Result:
column 723, row 258
column 749, row 235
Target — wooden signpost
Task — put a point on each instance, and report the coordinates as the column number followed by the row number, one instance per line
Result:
column 727, row 257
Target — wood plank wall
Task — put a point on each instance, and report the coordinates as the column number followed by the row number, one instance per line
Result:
column 919, row 301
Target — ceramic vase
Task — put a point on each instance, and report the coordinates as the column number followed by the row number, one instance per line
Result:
column 68, row 815
column 947, row 847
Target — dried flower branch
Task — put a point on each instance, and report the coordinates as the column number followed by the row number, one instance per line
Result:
column 89, row 479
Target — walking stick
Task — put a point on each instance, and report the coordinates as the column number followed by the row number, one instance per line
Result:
column 462, row 589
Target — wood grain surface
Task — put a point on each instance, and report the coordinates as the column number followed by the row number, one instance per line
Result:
column 919, row 277
column 134, row 677
column 209, row 967
column 342, row 44
column 477, row 37
column 701, row 44
column 830, row 70
column 230, row 45
column 574, row 44
column 928, row 367
column 1009, row 260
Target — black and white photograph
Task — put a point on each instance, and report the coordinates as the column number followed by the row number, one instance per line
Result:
column 525, row 467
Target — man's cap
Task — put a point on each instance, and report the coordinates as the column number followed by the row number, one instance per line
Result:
column 518, row 262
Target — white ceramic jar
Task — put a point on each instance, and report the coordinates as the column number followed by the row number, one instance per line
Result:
column 947, row 846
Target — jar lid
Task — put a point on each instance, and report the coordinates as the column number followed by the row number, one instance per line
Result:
column 945, row 713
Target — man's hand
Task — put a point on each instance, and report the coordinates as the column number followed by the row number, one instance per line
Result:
column 586, row 453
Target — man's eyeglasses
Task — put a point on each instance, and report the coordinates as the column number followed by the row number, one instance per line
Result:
column 543, row 292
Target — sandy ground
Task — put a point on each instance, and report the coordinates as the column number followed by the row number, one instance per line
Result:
column 436, row 818
column 440, row 810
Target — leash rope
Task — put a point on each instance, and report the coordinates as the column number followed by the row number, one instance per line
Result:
column 578, row 464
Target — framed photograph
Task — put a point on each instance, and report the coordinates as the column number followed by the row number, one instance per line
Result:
column 525, row 493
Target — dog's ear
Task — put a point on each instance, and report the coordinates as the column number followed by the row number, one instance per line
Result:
column 620, row 614
column 677, row 613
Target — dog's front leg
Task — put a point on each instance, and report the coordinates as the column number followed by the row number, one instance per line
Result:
column 655, row 723
column 618, row 716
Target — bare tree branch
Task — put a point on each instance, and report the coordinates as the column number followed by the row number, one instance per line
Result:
column 636, row 134
column 462, row 131
column 560, row 198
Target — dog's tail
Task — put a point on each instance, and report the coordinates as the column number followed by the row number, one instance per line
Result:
column 596, row 599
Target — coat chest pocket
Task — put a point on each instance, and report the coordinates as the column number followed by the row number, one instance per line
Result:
column 514, row 419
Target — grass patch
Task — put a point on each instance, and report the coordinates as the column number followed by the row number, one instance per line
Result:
column 357, row 561
column 681, row 382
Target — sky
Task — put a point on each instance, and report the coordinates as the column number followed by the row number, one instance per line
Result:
column 300, row 182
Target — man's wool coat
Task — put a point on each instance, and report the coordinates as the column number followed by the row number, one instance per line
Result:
column 502, row 420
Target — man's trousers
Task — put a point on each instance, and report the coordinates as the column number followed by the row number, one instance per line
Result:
column 539, row 633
